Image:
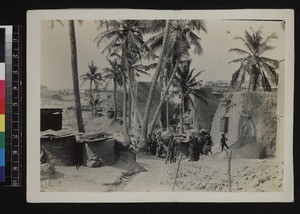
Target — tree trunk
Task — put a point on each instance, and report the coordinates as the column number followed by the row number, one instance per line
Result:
column 181, row 106
column 126, row 136
column 91, row 86
column 134, row 101
column 143, row 137
column 161, row 86
column 163, row 98
column 92, row 103
column 129, row 109
column 250, row 82
column 115, row 100
column 167, row 115
column 75, row 76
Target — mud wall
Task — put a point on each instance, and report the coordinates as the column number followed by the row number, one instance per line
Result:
column 251, row 121
column 204, row 113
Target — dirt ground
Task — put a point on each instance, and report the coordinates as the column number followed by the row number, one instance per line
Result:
column 208, row 174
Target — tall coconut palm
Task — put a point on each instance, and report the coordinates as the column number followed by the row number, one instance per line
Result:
column 261, row 70
column 124, row 36
column 74, row 65
column 135, row 68
column 182, row 38
column 74, row 68
column 93, row 76
column 188, row 85
column 143, row 136
column 113, row 73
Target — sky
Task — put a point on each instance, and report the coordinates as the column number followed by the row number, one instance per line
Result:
column 56, row 53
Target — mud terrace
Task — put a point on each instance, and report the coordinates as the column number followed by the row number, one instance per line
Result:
column 208, row 174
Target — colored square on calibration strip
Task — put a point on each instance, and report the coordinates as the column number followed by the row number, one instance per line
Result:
column 2, row 44
column 2, row 123
column 2, row 88
column 2, row 139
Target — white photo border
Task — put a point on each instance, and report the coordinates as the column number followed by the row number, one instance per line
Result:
column 34, row 19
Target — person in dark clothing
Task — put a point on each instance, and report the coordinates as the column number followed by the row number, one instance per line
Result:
column 201, row 143
column 153, row 145
column 223, row 142
column 160, row 147
column 208, row 145
column 170, row 152
column 192, row 148
column 149, row 143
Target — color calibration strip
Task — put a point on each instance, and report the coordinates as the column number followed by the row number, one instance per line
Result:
column 11, row 107
column 14, row 103
column 2, row 104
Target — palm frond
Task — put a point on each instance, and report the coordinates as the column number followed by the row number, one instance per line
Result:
column 195, row 41
column 194, row 78
column 110, row 45
column 270, row 72
column 241, row 60
column 108, row 34
column 201, row 94
column 272, row 62
column 245, row 43
column 235, row 77
column 265, row 82
column 272, row 36
column 239, row 51
column 198, row 25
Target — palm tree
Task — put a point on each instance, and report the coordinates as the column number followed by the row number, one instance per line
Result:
column 135, row 69
column 261, row 70
column 117, row 34
column 93, row 77
column 124, row 37
column 95, row 102
column 182, row 37
column 74, row 68
column 143, row 136
column 113, row 73
column 188, row 85
column 75, row 76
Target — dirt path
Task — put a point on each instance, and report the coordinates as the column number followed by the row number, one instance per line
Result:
column 209, row 174
column 151, row 180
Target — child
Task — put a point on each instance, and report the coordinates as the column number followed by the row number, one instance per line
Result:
column 223, row 142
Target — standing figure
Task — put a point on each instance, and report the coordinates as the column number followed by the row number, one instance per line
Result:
column 149, row 144
column 153, row 145
column 208, row 145
column 223, row 142
column 191, row 145
column 160, row 147
column 201, row 143
column 170, row 152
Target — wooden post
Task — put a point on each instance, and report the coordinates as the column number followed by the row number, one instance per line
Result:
column 177, row 172
column 229, row 168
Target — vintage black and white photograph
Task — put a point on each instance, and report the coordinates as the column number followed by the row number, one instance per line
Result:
column 184, row 104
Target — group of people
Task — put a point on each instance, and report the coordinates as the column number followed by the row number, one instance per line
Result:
column 199, row 146
column 160, row 147
column 169, row 147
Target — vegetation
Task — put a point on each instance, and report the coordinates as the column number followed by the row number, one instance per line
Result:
column 182, row 38
column 74, row 68
column 93, row 76
column 113, row 73
column 261, row 70
column 188, row 85
column 74, row 65
column 125, row 37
